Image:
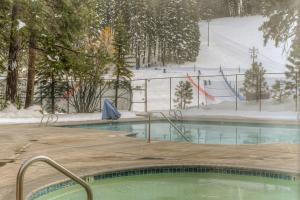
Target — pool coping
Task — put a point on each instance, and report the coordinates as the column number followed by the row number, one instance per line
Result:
column 164, row 169
column 188, row 118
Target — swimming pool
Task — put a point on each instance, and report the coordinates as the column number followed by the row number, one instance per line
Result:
column 207, row 132
column 180, row 183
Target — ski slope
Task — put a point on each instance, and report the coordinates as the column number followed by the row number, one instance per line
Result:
column 230, row 41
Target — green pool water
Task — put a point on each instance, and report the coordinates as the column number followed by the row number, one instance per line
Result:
column 185, row 186
column 208, row 132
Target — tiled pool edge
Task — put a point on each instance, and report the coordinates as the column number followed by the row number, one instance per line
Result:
column 165, row 169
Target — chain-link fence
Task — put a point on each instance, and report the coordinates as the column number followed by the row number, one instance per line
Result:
column 224, row 92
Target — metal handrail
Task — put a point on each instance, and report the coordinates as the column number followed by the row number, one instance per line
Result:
column 50, row 119
column 170, row 122
column 177, row 114
column 55, row 165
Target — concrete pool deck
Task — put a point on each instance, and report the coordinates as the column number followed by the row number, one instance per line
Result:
column 90, row 151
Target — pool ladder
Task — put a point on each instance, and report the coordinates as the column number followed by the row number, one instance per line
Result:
column 170, row 122
column 176, row 114
column 55, row 165
column 51, row 119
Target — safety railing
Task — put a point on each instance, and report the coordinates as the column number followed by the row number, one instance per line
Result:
column 170, row 122
column 55, row 165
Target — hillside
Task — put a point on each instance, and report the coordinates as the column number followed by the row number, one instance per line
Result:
column 230, row 41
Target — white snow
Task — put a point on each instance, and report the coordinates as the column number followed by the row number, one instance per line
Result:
column 21, row 24
column 25, row 119
column 11, row 115
column 12, row 112
column 230, row 41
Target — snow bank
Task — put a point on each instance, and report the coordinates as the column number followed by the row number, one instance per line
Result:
column 33, row 115
column 12, row 112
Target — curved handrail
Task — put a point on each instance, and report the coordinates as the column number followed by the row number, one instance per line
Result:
column 180, row 113
column 177, row 114
column 55, row 165
column 50, row 119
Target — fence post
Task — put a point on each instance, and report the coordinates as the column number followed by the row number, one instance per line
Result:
column 198, row 96
column 296, row 91
column 236, row 92
column 149, row 128
column 260, row 92
column 68, row 97
column 100, row 100
column 146, row 95
column 170, row 93
column 52, row 95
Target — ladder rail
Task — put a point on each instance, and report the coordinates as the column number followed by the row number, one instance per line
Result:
column 177, row 114
column 180, row 114
column 55, row 165
column 170, row 122
column 50, row 119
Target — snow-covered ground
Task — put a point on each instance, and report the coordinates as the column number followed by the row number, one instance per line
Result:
column 230, row 41
column 33, row 115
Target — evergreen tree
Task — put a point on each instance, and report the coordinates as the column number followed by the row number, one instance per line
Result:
column 282, row 18
column 283, row 24
column 159, row 31
column 184, row 94
column 62, row 37
column 120, row 71
column 4, row 30
column 255, row 85
column 293, row 66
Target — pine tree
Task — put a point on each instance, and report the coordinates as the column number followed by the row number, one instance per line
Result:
column 120, row 71
column 184, row 94
column 255, row 85
column 62, row 36
column 293, row 66
column 283, row 24
column 4, row 30
column 282, row 17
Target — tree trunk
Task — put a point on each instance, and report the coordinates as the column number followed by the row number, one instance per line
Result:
column 149, row 53
column 14, row 48
column 164, row 55
column 138, row 56
column 31, row 70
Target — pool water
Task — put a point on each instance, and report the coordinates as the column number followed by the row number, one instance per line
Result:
column 184, row 186
column 208, row 132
